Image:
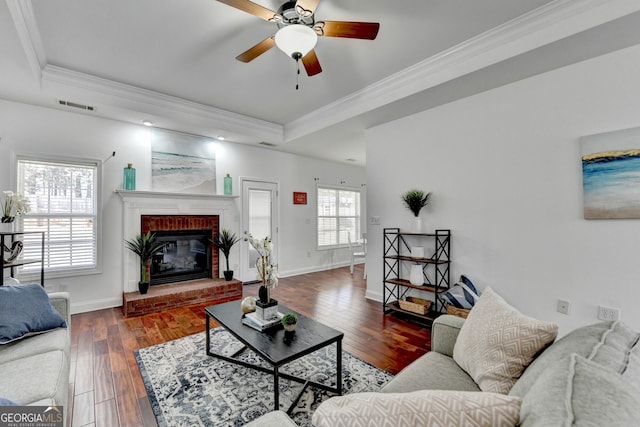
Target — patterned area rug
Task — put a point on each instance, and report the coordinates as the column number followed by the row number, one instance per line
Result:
column 188, row 388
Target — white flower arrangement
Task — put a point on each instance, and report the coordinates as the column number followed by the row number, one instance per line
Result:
column 267, row 272
column 13, row 205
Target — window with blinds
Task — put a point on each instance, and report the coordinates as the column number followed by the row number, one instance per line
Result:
column 64, row 204
column 338, row 216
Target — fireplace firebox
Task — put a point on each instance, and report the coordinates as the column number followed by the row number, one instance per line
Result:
column 186, row 255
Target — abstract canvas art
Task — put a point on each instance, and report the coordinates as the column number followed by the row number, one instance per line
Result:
column 611, row 174
column 182, row 163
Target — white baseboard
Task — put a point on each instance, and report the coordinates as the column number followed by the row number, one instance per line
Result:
column 372, row 295
column 84, row 307
column 313, row 269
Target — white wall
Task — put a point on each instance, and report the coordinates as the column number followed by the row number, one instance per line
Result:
column 505, row 171
column 30, row 129
column 297, row 222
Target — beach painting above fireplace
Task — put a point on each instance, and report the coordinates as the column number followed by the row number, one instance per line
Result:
column 611, row 174
column 182, row 163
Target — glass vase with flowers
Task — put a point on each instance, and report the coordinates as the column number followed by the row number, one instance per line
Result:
column 13, row 205
column 266, row 307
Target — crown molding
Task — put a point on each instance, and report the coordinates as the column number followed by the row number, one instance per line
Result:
column 122, row 95
column 61, row 80
column 551, row 22
column 548, row 23
column 25, row 23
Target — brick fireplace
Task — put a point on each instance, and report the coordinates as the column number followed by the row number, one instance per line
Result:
column 184, row 229
column 155, row 211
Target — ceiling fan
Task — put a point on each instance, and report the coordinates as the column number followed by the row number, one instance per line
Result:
column 298, row 30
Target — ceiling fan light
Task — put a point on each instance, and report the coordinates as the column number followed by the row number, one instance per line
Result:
column 296, row 40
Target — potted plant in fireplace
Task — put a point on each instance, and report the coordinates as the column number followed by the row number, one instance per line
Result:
column 224, row 241
column 145, row 246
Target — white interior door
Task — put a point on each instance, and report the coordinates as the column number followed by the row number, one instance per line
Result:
column 259, row 218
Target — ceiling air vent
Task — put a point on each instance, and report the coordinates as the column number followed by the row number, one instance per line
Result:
column 267, row 144
column 76, row 105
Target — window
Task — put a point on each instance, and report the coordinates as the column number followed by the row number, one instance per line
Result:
column 338, row 216
column 64, row 204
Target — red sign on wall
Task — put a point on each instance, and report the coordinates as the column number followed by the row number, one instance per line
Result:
column 299, row 198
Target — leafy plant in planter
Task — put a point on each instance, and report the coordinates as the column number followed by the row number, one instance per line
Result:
column 224, row 241
column 415, row 200
column 145, row 246
column 289, row 321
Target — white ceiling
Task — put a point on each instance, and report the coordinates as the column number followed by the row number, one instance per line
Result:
column 173, row 62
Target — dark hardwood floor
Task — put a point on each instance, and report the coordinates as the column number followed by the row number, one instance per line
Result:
column 106, row 386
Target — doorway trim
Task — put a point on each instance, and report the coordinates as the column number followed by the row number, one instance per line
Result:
column 266, row 185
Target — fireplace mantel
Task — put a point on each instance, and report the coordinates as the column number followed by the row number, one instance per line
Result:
column 137, row 194
column 138, row 203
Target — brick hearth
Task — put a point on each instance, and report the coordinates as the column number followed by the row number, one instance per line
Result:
column 174, row 295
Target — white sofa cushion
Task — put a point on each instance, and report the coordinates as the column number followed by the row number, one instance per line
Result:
column 41, row 379
column 272, row 419
column 432, row 371
column 580, row 392
column 424, row 408
column 497, row 342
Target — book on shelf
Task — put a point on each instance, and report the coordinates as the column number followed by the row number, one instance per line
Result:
column 253, row 321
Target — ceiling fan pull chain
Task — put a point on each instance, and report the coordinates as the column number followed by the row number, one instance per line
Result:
column 298, row 73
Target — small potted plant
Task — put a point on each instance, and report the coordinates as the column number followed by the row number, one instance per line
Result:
column 224, row 241
column 289, row 321
column 145, row 246
column 415, row 200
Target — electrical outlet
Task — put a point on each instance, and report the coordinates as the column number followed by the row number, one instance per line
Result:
column 564, row 306
column 608, row 313
column 374, row 220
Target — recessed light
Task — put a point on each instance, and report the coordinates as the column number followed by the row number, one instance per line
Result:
column 147, row 123
column 220, row 138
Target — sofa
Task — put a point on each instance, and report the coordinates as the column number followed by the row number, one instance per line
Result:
column 35, row 360
column 589, row 377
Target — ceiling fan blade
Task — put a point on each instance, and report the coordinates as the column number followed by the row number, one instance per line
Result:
column 353, row 30
column 311, row 63
column 256, row 50
column 306, row 7
column 253, row 9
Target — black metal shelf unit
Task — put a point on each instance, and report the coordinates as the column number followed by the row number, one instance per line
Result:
column 6, row 240
column 435, row 269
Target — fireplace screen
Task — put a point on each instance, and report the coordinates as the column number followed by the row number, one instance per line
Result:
column 186, row 255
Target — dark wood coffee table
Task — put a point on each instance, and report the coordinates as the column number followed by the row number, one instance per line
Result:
column 274, row 349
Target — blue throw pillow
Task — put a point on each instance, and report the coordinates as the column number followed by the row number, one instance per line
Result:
column 26, row 310
column 470, row 299
column 459, row 297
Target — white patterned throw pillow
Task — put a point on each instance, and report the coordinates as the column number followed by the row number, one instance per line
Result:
column 424, row 408
column 497, row 342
